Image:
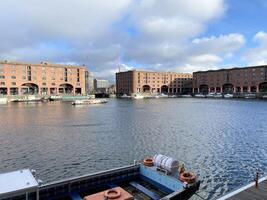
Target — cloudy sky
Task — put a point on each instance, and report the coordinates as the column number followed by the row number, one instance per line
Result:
column 162, row 35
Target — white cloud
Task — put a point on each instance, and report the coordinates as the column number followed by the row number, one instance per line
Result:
column 222, row 44
column 155, row 34
column 204, row 59
column 257, row 55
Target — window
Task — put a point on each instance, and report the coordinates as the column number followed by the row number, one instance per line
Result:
column 2, row 83
column 2, row 77
column 66, row 74
column 29, row 73
column 13, row 83
column 53, row 84
column 44, row 84
column 78, row 75
column 13, row 77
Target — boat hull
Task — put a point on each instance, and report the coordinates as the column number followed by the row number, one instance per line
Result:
column 131, row 178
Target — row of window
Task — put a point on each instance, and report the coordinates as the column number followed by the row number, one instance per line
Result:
column 165, row 75
column 43, row 78
column 44, row 84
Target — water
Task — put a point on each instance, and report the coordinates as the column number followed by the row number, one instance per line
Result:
column 223, row 141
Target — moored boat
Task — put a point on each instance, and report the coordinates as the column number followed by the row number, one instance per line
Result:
column 162, row 95
column 250, row 96
column 210, row 95
column 3, row 100
column 218, row 95
column 154, row 178
column 228, row 96
column 125, row 96
column 30, row 98
column 200, row 96
column 55, row 98
column 89, row 101
column 138, row 96
column 186, row 96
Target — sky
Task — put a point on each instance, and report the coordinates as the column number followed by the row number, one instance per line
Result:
column 169, row 35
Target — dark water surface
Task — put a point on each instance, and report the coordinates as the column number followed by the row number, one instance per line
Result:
column 223, row 141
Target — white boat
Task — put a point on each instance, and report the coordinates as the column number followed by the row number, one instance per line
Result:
column 210, row 95
column 186, row 96
column 200, row 95
column 55, row 98
column 162, row 95
column 30, row 98
column 228, row 96
column 264, row 96
column 3, row 100
column 218, row 95
column 89, row 101
column 138, row 96
column 125, row 96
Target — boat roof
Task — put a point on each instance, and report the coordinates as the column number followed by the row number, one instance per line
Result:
column 21, row 180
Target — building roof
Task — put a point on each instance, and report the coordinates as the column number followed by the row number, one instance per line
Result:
column 159, row 72
column 15, row 181
column 40, row 64
column 234, row 68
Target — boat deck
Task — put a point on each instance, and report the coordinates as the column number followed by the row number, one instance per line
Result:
column 249, row 192
column 138, row 188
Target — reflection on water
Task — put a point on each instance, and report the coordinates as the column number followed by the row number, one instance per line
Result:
column 223, row 141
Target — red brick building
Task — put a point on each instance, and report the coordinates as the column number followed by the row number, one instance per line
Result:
column 133, row 81
column 235, row 80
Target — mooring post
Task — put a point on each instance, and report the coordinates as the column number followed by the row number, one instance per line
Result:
column 257, row 180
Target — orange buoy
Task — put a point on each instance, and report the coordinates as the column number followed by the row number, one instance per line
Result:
column 188, row 177
column 112, row 194
column 148, row 162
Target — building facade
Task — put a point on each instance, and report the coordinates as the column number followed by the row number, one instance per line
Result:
column 41, row 79
column 101, row 86
column 235, row 80
column 133, row 81
column 89, row 82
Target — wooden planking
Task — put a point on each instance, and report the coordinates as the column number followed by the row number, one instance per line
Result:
column 252, row 193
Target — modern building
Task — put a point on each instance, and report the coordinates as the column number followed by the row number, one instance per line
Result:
column 101, row 86
column 89, row 82
column 41, row 79
column 153, row 82
column 235, row 80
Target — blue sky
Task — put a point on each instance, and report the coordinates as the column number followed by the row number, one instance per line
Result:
column 169, row 35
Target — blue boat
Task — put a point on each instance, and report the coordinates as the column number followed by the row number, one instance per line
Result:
column 155, row 180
